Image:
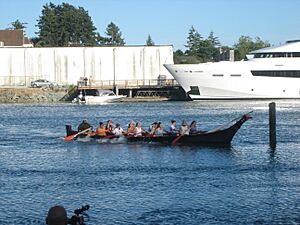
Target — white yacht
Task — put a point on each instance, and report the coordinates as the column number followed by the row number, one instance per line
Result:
column 266, row 73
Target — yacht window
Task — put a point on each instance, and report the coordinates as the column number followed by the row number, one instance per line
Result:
column 276, row 73
column 235, row 75
column 257, row 55
column 218, row 75
column 277, row 55
column 296, row 54
column 194, row 90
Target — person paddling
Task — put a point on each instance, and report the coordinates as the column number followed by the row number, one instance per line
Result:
column 101, row 130
column 173, row 128
column 184, row 128
column 193, row 127
column 152, row 128
column 118, row 131
column 159, row 131
column 109, row 126
column 139, row 131
column 131, row 128
column 85, row 125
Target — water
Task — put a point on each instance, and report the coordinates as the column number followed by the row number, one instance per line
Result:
column 150, row 184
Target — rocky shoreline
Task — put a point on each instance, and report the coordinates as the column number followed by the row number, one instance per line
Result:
column 46, row 95
column 30, row 95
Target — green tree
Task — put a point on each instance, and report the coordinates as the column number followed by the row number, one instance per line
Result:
column 178, row 52
column 35, row 40
column 258, row 43
column 246, row 44
column 16, row 25
column 114, row 36
column 181, row 58
column 194, row 41
column 214, row 45
column 65, row 25
column 203, row 49
column 149, row 41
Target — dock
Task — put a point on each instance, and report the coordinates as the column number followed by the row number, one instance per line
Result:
column 153, row 89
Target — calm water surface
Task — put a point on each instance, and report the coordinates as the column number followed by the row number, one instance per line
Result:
column 150, row 184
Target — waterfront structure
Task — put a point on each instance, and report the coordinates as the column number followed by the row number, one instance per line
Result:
column 266, row 73
column 14, row 38
column 68, row 65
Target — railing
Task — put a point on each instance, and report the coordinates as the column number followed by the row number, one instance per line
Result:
column 14, row 81
column 127, row 84
column 18, row 81
column 21, row 81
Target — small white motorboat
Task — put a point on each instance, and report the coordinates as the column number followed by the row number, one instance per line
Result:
column 98, row 96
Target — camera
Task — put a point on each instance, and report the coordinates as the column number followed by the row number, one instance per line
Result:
column 80, row 216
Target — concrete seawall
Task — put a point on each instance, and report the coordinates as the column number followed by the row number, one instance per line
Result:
column 66, row 65
column 30, row 95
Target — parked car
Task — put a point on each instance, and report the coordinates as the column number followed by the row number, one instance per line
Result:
column 42, row 83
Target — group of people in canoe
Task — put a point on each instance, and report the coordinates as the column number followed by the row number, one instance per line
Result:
column 136, row 129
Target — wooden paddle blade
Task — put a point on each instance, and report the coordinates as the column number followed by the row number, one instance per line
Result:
column 93, row 134
column 71, row 137
column 176, row 139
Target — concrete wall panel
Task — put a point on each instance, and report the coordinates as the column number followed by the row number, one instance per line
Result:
column 19, row 66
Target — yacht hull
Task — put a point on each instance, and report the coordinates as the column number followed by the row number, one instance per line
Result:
column 232, row 80
column 99, row 99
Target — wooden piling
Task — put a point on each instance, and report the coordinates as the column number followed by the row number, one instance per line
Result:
column 272, row 124
column 130, row 93
column 116, row 90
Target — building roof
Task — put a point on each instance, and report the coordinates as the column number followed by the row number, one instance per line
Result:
column 13, row 38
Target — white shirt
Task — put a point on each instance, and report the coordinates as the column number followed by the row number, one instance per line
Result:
column 138, row 131
column 185, row 129
column 172, row 128
column 118, row 131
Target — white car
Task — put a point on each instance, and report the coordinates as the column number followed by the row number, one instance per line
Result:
column 42, row 83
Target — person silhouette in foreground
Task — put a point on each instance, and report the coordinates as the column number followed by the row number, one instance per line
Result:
column 57, row 215
column 84, row 125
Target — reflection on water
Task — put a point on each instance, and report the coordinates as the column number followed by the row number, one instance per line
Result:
column 150, row 184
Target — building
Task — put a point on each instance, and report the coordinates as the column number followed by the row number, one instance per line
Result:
column 14, row 38
column 67, row 65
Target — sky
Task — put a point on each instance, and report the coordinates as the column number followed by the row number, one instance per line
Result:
column 168, row 21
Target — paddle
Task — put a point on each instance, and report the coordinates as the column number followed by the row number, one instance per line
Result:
column 176, row 139
column 109, row 136
column 71, row 137
column 93, row 134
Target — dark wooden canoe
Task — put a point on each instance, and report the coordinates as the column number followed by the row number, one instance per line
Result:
column 220, row 136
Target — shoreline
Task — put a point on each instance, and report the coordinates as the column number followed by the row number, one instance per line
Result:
column 25, row 95
column 30, row 95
